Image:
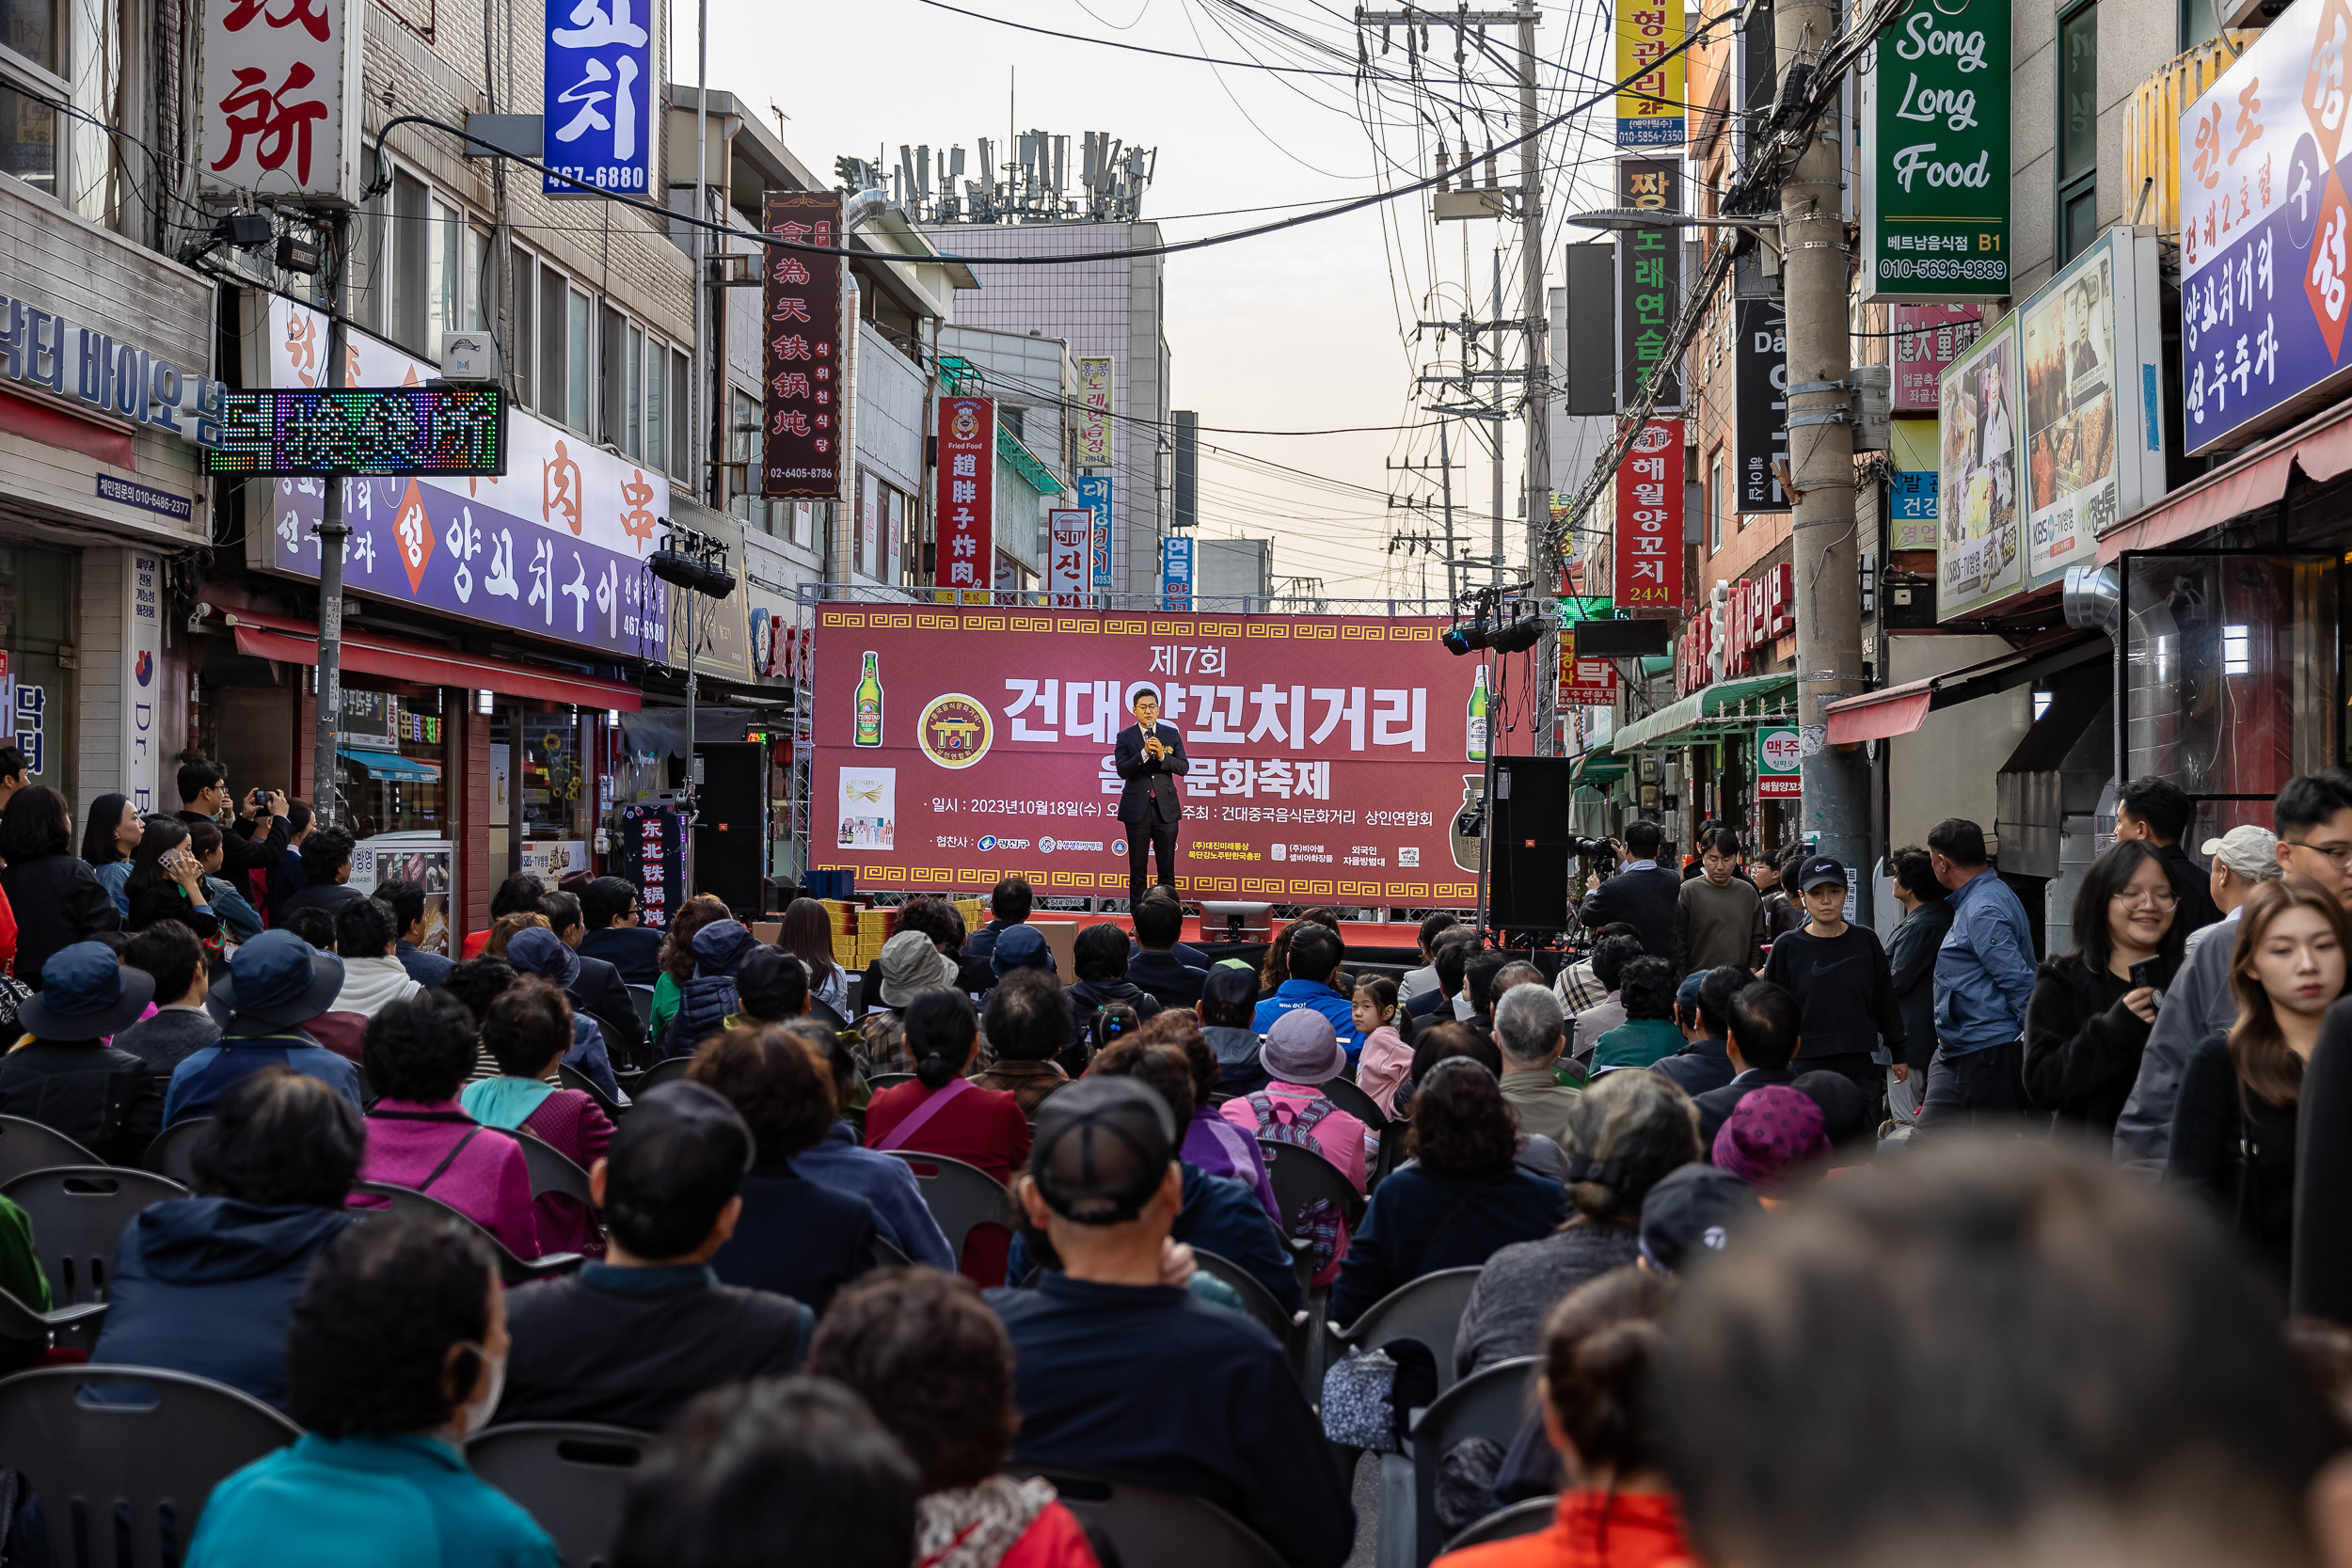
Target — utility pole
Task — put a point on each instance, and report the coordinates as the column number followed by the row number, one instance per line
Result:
column 1537, row 406
column 333, row 533
column 1837, row 801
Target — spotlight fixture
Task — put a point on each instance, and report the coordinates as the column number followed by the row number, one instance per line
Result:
column 1512, row 637
column 709, row 578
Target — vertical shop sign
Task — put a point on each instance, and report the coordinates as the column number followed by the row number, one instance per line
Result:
column 1176, row 572
column 1094, row 494
column 1585, row 682
column 804, row 396
column 597, row 108
column 1094, row 411
column 1650, row 105
column 143, row 640
column 1779, row 760
column 1935, row 171
column 1759, row 364
column 1649, row 519
column 968, row 492
column 1649, row 281
column 278, row 91
column 1927, row 339
column 1071, row 532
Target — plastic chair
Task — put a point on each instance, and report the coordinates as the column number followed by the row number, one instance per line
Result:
column 667, row 1070
column 1428, row 1309
column 78, row 1213
column 20, row 1322
column 1524, row 1518
column 960, row 1198
column 26, row 1146
column 1257, row 1301
column 553, row 1171
column 1488, row 1405
column 1355, row 1102
column 887, row 1255
column 513, row 1271
column 823, row 1012
column 1151, row 1528
column 169, row 1154
column 572, row 1078
column 1301, row 1176
column 123, row 1458
column 571, row 1477
column 882, row 1081
column 641, row 997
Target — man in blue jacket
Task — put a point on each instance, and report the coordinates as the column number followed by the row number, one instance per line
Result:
column 1983, row 977
column 1314, row 958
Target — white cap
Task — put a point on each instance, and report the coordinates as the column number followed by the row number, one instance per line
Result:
column 2249, row 851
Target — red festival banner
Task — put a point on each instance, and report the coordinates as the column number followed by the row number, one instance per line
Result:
column 959, row 745
column 1649, row 519
column 800, row 451
column 968, row 493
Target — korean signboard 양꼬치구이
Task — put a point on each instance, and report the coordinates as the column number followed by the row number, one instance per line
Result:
column 1328, row 752
column 1650, row 498
column 1650, row 108
column 277, row 90
column 802, row 393
column 1935, row 166
column 1981, row 553
column 2093, row 430
column 597, row 110
column 1759, row 366
column 1649, row 282
column 968, row 493
column 2266, row 262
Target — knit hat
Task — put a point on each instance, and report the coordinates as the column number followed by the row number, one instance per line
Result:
column 1302, row 1048
column 2251, row 852
column 1103, row 1148
column 913, row 963
column 1771, row 1133
column 1019, row 947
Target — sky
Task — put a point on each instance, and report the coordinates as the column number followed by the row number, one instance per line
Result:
column 1307, row 329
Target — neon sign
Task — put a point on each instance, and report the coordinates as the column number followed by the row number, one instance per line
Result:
column 458, row 432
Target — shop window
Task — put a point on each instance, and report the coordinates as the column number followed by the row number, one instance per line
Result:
column 69, row 50
column 557, row 787
column 445, row 275
column 481, row 281
column 576, row 359
column 2078, row 131
column 408, row 316
column 393, row 756
column 28, row 139
column 554, row 376
column 681, row 427
column 520, row 356
column 37, row 694
column 2230, row 676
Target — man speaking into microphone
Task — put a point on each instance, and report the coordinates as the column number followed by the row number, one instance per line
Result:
column 1150, row 758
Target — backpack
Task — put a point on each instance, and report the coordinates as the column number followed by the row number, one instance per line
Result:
column 1280, row 1122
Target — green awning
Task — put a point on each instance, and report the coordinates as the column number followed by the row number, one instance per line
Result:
column 1032, row 469
column 1600, row 764
column 1723, row 709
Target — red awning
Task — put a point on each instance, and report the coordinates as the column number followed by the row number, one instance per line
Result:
column 2321, row 447
column 291, row 642
column 1879, row 716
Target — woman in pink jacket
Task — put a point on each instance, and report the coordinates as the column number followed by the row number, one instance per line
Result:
column 416, row 1055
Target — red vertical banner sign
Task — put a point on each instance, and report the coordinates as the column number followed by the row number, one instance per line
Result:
column 968, row 493
column 1073, row 536
column 801, row 419
column 1649, row 519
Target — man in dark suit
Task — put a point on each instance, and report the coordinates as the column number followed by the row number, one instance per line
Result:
column 612, row 912
column 1764, row 1040
column 1643, row 894
column 1154, row 966
column 1150, row 758
column 596, row 989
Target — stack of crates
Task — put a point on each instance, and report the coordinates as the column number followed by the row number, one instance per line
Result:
column 975, row 912
column 842, row 918
column 874, row 927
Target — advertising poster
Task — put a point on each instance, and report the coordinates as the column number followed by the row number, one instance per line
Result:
column 1329, row 753
column 1650, row 110
column 1936, row 164
column 1649, row 497
column 1927, row 339
column 396, row 857
column 1982, row 554
column 2264, row 269
column 2071, row 488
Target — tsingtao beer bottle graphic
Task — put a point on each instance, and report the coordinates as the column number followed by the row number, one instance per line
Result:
column 869, row 705
column 1476, row 749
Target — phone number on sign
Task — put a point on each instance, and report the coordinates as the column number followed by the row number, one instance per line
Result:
column 1993, row 272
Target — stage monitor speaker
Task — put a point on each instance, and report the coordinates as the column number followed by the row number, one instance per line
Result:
column 1527, row 842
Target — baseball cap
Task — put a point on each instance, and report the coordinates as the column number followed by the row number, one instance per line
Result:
column 1819, row 871
column 1692, row 1210
column 1102, row 1150
column 1228, row 993
column 2251, row 852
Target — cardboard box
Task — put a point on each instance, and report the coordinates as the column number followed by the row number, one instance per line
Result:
column 1061, row 940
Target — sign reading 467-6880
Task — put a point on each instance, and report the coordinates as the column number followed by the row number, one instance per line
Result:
column 1935, row 154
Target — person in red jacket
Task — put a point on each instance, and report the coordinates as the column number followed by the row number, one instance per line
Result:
column 936, row 1367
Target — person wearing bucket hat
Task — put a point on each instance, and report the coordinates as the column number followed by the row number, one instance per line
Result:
column 1303, row 1052
column 67, row 1077
column 911, row 964
column 276, row 984
column 541, row 952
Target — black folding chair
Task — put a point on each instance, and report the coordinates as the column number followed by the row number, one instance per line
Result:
column 667, row 1070
column 571, row 1477
column 572, row 1078
column 1524, row 1518
column 169, row 1155
column 1158, row 1529
column 960, row 1198
column 1488, row 1405
column 30, row 1145
column 78, row 1213
column 1428, row 1309
column 513, row 1271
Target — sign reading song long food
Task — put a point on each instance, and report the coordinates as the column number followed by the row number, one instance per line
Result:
column 957, row 746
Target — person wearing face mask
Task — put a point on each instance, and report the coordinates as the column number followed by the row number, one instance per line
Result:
column 2233, row 1125
column 397, row 1354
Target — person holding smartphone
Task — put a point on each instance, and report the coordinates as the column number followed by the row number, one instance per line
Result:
column 166, row 881
column 2088, row 1019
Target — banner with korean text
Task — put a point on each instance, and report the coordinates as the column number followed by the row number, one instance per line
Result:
column 1328, row 752
column 1650, row 283
column 1648, row 552
column 1650, row 110
column 1069, row 529
column 968, row 493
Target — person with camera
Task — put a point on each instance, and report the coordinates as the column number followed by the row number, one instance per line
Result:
column 205, row 794
column 1644, row 895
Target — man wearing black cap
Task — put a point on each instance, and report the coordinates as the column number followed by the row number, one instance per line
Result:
column 1124, row 1376
column 630, row 1340
column 276, row 983
column 1844, row 988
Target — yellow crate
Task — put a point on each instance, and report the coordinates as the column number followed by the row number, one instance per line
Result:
column 975, row 912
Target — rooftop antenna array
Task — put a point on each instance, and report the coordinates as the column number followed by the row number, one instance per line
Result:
column 1031, row 185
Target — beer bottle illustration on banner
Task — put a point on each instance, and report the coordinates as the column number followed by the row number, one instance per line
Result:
column 1476, row 751
column 869, row 705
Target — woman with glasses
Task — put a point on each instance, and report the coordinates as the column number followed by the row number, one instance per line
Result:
column 2091, row 1012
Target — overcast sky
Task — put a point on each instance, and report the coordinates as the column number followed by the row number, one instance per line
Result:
column 1299, row 330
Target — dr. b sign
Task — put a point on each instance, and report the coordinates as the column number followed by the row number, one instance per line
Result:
column 600, row 99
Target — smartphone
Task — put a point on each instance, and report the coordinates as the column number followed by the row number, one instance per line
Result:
column 2145, row 973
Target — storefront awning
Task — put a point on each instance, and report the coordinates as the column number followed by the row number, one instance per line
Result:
column 1600, row 764
column 2321, row 447
column 291, row 642
column 1717, row 709
column 1900, row 709
column 391, row 766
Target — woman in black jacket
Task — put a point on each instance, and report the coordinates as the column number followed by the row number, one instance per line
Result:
column 2087, row 1020
column 57, row 898
column 167, row 880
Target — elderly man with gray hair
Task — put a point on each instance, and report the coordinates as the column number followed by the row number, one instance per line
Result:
column 1531, row 1032
column 2242, row 859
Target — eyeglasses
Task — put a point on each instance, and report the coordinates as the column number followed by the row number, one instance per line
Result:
column 2337, row 855
column 2163, row 898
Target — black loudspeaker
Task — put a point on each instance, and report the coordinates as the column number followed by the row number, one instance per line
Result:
column 1527, row 814
column 731, row 832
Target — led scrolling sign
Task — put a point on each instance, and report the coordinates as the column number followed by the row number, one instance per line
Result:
column 456, row 432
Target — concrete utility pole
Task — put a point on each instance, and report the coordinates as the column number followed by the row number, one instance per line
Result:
column 1836, row 801
column 1538, row 399
column 333, row 534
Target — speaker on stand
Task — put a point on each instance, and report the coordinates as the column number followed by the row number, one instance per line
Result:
column 1527, row 828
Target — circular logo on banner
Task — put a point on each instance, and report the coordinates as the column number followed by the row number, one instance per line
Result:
column 954, row 730
column 1118, row 846
column 989, row 842
column 1782, row 750
column 1652, row 438
column 1044, row 846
